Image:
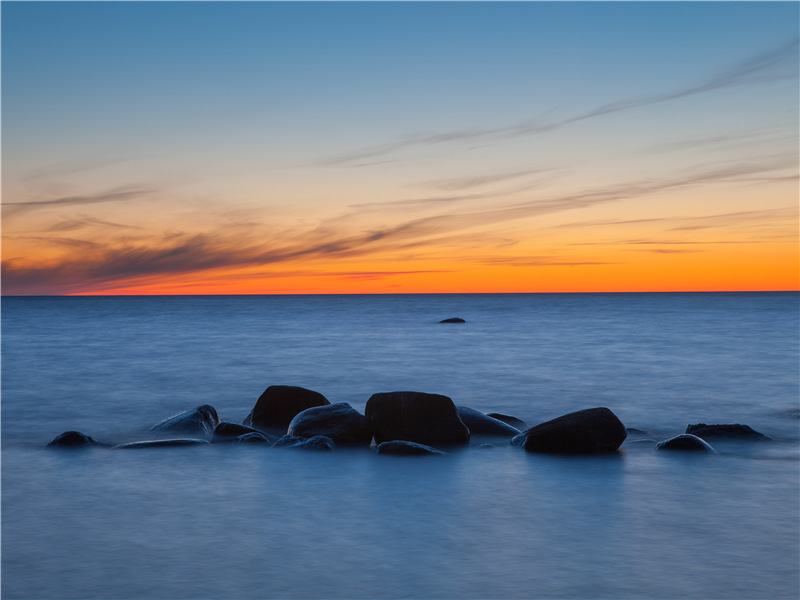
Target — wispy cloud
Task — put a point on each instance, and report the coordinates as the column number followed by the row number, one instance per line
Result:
column 777, row 63
column 119, row 194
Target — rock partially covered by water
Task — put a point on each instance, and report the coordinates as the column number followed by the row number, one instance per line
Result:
column 231, row 432
column 453, row 320
column 415, row 417
column 733, row 431
column 255, row 437
column 73, row 439
column 480, row 423
column 404, row 448
column 279, row 404
column 516, row 423
column 590, row 431
column 201, row 420
column 318, row 442
column 340, row 422
column 686, row 442
column 161, row 443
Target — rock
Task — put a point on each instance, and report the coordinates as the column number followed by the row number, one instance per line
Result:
column 279, row 404
column 230, row 432
column 415, row 417
column 318, row 442
column 161, row 443
column 479, row 423
column 339, row 422
column 255, row 437
column 686, row 442
column 726, row 431
column 453, row 320
column 73, row 439
column 509, row 420
column 590, row 431
column 402, row 447
column 202, row 420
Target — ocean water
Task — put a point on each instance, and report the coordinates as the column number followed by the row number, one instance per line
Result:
column 483, row 522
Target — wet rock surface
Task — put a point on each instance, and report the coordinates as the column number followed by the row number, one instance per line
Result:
column 590, row 431
column 480, row 423
column 730, row 431
column 419, row 417
column 339, row 422
column 73, row 439
column 201, row 420
column 687, row 443
column 405, row 448
column 279, row 404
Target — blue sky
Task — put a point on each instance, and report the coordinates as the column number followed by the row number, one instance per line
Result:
column 175, row 119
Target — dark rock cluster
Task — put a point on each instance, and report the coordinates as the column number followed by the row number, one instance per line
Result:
column 403, row 423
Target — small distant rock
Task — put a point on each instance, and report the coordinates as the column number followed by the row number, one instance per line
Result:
column 590, row 431
column 726, row 431
column 161, row 443
column 73, row 439
column 453, row 320
column 686, row 442
column 509, row 420
column 318, row 442
column 202, row 420
column 279, row 404
column 415, row 417
column 405, row 448
column 480, row 423
column 340, row 422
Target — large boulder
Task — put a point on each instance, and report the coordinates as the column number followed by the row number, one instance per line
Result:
column 415, row 417
column 404, row 448
column 73, row 439
column 231, row 432
column 686, row 442
column 340, row 422
column 279, row 404
column 480, row 423
column 732, row 431
column 201, row 420
column 590, row 431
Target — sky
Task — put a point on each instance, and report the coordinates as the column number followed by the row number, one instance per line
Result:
column 408, row 147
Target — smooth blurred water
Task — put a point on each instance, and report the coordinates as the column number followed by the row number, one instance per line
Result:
column 254, row 522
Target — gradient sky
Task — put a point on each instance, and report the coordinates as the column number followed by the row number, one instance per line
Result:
column 259, row 147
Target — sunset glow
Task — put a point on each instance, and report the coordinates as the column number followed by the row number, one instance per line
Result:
column 305, row 148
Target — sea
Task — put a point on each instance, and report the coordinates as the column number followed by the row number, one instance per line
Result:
column 485, row 521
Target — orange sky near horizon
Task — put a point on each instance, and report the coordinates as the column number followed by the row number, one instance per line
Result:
column 634, row 158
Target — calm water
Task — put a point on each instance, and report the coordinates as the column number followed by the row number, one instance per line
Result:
column 255, row 522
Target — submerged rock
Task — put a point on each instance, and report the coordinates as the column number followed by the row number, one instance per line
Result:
column 480, row 423
column 255, row 437
column 340, row 422
column 509, row 420
column 73, row 439
column 453, row 320
column 402, row 447
column 231, row 432
column 415, row 417
column 733, row 431
column 279, row 404
column 202, row 420
column 590, row 431
column 686, row 442
column 318, row 442
column 161, row 443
